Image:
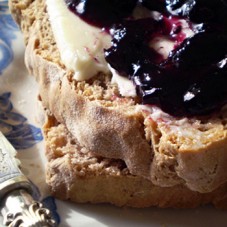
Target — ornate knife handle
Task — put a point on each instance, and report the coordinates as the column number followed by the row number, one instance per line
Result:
column 17, row 205
column 20, row 210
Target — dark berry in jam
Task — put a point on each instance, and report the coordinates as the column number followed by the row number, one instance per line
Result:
column 130, row 46
column 154, row 5
column 209, row 11
column 200, row 11
column 208, row 94
column 203, row 49
column 194, row 92
column 102, row 13
column 180, row 8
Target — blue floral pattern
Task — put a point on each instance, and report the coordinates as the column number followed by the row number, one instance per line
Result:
column 3, row 6
column 21, row 134
column 7, row 34
column 49, row 202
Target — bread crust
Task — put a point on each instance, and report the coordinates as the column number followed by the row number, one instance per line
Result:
column 74, row 174
column 163, row 152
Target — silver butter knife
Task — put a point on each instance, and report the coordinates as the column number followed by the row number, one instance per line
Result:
column 17, row 206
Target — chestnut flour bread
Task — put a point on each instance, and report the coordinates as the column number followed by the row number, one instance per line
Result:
column 103, row 147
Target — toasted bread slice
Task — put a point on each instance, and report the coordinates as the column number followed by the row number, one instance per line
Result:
column 181, row 157
column 73, row 173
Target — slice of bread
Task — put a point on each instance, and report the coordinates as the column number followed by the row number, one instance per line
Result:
column 74, row 173
column 108, row 148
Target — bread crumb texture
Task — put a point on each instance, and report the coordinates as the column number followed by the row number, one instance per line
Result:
column 74, row 173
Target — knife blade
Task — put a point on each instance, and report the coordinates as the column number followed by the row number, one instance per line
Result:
column 17, row 205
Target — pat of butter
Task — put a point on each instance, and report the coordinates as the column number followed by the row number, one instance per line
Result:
column 125, row 86
column 80, row 44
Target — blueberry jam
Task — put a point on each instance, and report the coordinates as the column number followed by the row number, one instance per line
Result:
column 192, row 79
column 154, row 5
column 102, row 13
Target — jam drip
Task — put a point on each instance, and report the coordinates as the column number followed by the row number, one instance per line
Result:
column 192, row 80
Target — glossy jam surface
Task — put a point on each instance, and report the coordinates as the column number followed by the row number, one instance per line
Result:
column 192, row 80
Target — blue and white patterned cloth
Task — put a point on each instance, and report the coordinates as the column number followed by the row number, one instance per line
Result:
column 7, row 34
column 14, row 125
